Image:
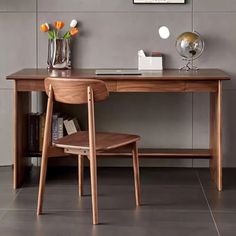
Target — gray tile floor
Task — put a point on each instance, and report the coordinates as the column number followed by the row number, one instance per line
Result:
column 174, row 202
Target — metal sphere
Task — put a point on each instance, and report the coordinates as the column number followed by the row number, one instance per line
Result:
column 190, row 45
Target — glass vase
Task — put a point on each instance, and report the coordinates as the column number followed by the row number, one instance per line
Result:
column 59, row 54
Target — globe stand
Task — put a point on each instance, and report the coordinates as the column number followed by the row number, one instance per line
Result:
column 189, row 66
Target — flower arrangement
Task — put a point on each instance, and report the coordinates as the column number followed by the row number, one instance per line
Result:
column 54, row 32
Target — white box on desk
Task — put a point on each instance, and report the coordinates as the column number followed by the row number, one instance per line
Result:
column 149, row 62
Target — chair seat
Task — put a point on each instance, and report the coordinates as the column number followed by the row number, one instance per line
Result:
column 104, row 141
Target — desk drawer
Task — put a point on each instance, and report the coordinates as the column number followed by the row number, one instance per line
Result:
column 166, row 86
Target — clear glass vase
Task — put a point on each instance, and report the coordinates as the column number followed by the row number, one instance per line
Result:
column 59, row 54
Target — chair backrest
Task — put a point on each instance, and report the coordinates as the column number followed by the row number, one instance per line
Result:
column 74, row 91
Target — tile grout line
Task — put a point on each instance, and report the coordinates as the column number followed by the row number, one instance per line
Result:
column 134, row 11
column 114, row 11
column 119, row 11
column 209, row 207
column 6, row 89
column 16, row 12
column 125, row 11
column 88, row 209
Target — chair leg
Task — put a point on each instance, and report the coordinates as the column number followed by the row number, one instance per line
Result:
column 81, row 174
column 93, row 176
column 43, row 172
column 136, row 174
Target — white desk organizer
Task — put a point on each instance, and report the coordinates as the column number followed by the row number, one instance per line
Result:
column 149, row 62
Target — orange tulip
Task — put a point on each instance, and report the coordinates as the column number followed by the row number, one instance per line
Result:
column 74, row 31
column 59, row 24
column 44, row 27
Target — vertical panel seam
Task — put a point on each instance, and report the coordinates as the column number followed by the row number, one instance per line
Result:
column 36, row 31
column 193, row 15
column 37, row 64
column 192, row 92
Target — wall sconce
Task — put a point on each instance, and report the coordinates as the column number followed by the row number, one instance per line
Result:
column 164, row 32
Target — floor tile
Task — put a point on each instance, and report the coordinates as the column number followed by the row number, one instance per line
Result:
column 119, row 176
column 169, row 176
column 224, row 200
column 173, row 203
column 116, row 190
column 133, row 222
column 229, row 177
column 221, row 201
column 7, row 196
column 2, row 213
column 113, row 197
column 6, row 176
column 226, row 223
column 174, row 198
column 157, row 176
column 205, row 178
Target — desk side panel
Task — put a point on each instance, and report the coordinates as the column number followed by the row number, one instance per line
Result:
column 22, row 106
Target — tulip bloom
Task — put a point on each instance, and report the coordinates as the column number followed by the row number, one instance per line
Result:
column 44, row 27
column 59, row 25
column 73, row 23
column 55, row 32
column 74, row 31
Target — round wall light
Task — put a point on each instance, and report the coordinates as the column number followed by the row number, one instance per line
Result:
column 164, row 32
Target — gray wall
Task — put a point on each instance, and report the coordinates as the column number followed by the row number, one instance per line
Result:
column 112, row 31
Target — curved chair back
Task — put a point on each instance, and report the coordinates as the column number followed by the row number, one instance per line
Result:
column 74, row 91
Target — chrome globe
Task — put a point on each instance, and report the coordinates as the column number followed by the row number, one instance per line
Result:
column 190, row 46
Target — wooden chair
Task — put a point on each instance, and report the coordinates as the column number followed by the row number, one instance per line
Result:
column 83, row 143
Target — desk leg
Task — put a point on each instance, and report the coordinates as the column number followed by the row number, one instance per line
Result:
column 216, row 137
column 21, row 108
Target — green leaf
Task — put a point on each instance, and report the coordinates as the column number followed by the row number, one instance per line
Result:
column 66, row 35
column 54, row 34
column 50, row 35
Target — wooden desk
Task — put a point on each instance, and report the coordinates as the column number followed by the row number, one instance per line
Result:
column 206, row 80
